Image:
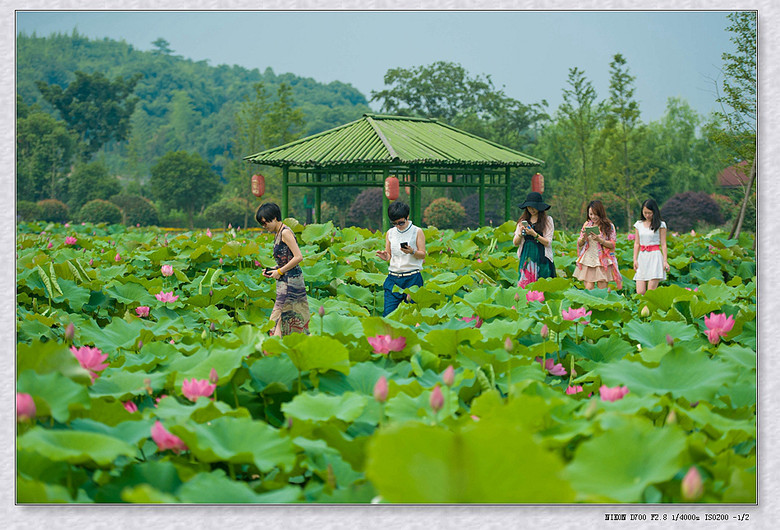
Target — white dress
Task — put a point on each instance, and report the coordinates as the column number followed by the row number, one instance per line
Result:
column 650, row 264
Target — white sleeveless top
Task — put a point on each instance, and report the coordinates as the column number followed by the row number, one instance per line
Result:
column 400, row 261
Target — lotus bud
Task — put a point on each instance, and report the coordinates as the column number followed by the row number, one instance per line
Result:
column 211, row 293
column 140, row 344
column 590, row 410
column 204, row 334
column 49, row 245
column 545, row 331
column 321, row 311
column 645, row 312
column 449, row 376
column 517, row 297
column 118, row 257
column 90, row 262
column 691, row 486
column 380, row 390
column 70, row 331
column 212, row 327
column 289, row 423
column 25, row 407
column 509, row 345
column 670, row 340
column 213, row 377
column 437, row 399
column 475, row 418
column 220, row 261
column 671, row 418
column 694, row 404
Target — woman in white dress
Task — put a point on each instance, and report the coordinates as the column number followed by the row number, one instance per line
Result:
column 650, row 253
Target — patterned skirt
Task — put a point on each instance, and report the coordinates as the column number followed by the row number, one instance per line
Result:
column 292, row 306
column 534, row 264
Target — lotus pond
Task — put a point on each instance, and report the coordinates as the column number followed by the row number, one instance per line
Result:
column 555, row 394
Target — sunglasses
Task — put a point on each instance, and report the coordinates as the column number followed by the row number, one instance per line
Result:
column 399, row 222
column 263, row 222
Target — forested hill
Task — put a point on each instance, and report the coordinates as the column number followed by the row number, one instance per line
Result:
column 184, row 104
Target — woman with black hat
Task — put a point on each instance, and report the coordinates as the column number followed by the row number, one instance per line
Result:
column 533, row 236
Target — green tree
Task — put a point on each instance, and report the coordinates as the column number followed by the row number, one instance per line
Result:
column 623, row 133
column 185, row 181
column 94, row 107
column 282, row 123
column 738, row 101
column 90, row 181
column 582, row 117
column 161, row 47
column 44, row 150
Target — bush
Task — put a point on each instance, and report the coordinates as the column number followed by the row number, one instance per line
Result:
column 444, row 213
column 53, row 211
column 685, row 211
column 235, row 211
column 136, row 210
column 100, row 211
column 728, row 208
column 494, row 210
column 28, row 211
column 366, row 209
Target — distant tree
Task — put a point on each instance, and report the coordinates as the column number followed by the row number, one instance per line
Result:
column 738, row 101
column 185, row 181
column 161, row 47
column 283, row 123
column 44, row 150
column 623, row 133
column 90, row 181
column 444, row 213
column 94, row 107
column 582, row 116
column 366, row 210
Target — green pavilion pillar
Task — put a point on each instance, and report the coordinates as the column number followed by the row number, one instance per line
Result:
column 482, row 197
column 385, row 202
column 285, row 198
column 507, row 196
column 318, row 200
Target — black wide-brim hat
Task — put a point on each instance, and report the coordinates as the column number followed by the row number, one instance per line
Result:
column 534, row 200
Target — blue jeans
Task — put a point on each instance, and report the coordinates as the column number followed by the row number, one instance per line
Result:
column 393, row 300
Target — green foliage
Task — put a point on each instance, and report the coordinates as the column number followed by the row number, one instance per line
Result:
column 184, row 180
column 233, row 211
column 100, row 211
column 136, row 210
column 90, row 181
column 28, row 211
column 366, row 209
column 53, row 210
column 444, row 213
column 95, row 108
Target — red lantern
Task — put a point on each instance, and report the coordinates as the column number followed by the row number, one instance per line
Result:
column 537, row 183
column 391, row 188
column 258, row 185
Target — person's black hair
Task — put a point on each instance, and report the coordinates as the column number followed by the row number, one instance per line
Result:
column 398, row 210
column 268, row 211
column 650, row 204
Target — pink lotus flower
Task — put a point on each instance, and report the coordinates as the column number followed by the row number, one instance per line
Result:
column 257, row 263
column 117, row 258
column 479, row 260
column 67, row 225
column 449, row 376
column 166, row 440
column 475, row 418
column 130, row 406
column 534, row 296
column 718, row 325
column 612, row 394
column 576, row 314
column 437, row 399
column 70, row 240
column 220, row 261
column 384, row 344
column 49, row 245
column 25, row 407
column 509, row 345
column 691, row 486
column 469, row 319
column 194, row 388
column 545, row 331
column 573, row 389
column 551, row 367
column 693, row 232
column 380, row 390
column 166, row 270
column 142, row 311
column 213, row 377
column 631, row 237
column 208, row 232
column 70, row 331
column 90, row 262
column 91, row 359
column 166, row 297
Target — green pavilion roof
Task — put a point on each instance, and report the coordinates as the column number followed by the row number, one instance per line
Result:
column 386, row 140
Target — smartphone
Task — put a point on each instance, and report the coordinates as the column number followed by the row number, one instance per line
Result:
column 524, row 223
column 404, row 244
column 267, row 271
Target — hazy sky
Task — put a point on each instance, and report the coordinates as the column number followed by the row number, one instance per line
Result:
column 528, row 53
